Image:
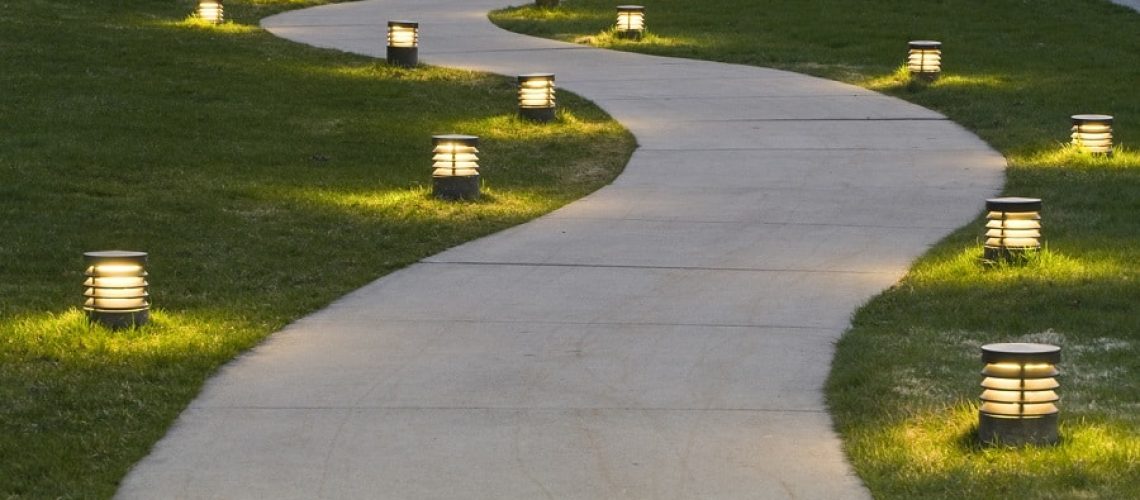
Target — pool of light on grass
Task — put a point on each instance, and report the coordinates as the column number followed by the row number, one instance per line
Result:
column 938, row 444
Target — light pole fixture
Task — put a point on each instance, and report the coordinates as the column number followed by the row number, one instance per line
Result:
column 1013, row 227
column 924, row 59
column 536, row 96
column 455, row 167
column 403, row 43
column 211, row 11
column 1018, row 394
column 546, row 4
column 1093, row 133
column 116, row 290
column 630, row 21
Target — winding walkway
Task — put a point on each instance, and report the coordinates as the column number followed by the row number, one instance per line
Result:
column 665, row 337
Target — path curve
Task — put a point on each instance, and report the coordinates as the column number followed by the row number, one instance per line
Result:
column 665, row 337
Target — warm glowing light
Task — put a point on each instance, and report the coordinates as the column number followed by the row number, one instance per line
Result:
column 403, row 43
column 536, row 96
column 116, row 290
column 1013, row 227
column 1018, row 396
column 1093, row 133
column 925, row 59
column 630, row 21
column 211, row 11
column 455, row 167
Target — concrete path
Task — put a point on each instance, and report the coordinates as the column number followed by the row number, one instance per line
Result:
column 666, row 337
column 1133, row 4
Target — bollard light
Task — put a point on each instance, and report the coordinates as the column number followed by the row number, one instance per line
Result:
column 116, row 290
column 546, row 4
column 403, row 43
column 1018, row 396
column 211, row 11
column 630, row 21
column 1093, row 133
column 536, row 96
column 924, row 59
column 1013, row 227
column 455, row 167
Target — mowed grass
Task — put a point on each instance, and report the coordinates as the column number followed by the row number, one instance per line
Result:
column 264, row 178
column 904, row 384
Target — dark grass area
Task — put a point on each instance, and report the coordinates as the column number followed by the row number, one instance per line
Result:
column 264, row 178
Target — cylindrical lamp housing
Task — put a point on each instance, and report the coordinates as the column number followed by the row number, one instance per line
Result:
column 546, row 4
column 536, row 96
column 1018, row 401
column 924, row 59
column 211, row 11
column 1013, row 227
column 116, row 291
column 455, row 167
column 403, row 43
column 1093, row 133
column 630, row 21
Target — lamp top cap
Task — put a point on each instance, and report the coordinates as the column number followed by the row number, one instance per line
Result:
column 630, row 7
column 1014, row 204
column 404, row 23
column 455, row 137
column 1021, row 351
column 536, row 75
column 114, row 254
column 924, row 44
column 1092, row 118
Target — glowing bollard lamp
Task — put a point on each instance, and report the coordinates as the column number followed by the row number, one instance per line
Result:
column 536, row 96
column 1093, row 133
column 1013, row 228
column 630, row 21
column 403, row 43
column 455, row 171
column 546, row 4
column 116, row 288
column 211, row 11
column 1018, row 394
column 924, row 59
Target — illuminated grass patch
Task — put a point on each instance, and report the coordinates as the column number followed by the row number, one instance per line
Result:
column 904, row 384
column 264, row 179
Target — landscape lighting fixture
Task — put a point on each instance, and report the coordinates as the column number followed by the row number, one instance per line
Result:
column 455, row 167
column 1018, row 394
column 924, row 59
column 536, row 96
column 630, row 21
column 1013, row 228
column 211, row 11
column 116, row 290
column 403, row 43
column 1093, row 133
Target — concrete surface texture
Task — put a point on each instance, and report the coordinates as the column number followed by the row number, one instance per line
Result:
column 1133, row 4
column 665, row 337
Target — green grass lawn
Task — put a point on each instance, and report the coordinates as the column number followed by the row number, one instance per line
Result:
column 264, row 178
column 904, row 384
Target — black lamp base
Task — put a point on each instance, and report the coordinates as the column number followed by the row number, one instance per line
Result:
column 537, row 114
column 456, row 187
column 407, row 57
column 1018, row 431
column 119, row 320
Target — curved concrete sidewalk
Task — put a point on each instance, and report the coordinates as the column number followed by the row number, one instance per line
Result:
column 666, row 337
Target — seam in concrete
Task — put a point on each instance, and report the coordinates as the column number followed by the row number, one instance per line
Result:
column 670, row 268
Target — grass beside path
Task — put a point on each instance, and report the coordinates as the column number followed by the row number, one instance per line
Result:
column 904, row 383
column 265, row 179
